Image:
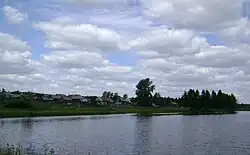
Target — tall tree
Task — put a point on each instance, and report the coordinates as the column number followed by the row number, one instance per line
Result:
column 197, row 100
column 108, row 94
column 156, row 98
column 207, row 100
column 115, row 97
column 125, row 96
column 3, row 90
column 104, row 94
column 213, row 99
column 111, row 95
column 144, row 91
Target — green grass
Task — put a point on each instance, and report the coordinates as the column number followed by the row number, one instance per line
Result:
column 43, row 109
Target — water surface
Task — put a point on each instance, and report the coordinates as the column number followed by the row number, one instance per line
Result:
column 133, row 135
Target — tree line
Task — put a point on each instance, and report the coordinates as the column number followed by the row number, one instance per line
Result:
column 207, row 100
column 193, row 99
column 146, row 96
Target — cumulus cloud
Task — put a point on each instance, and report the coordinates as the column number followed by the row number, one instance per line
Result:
column 168, row 38
column 237, row 32
column 168, row 42
column 80, row 36
column 13, row 15
column 77, row 58
column 74, row 59
column 193, row 14
column 15, row 55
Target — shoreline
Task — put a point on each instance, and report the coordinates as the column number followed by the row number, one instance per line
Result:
column 16, row 113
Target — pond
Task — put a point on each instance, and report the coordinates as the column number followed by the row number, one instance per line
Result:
column 133, row 135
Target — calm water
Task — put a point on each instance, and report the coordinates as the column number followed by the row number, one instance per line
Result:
column 132, row 135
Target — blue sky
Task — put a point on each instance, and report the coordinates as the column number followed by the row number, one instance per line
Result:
column 50, row 9
column 110, row 44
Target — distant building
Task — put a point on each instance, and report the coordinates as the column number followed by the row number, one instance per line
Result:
column 125, row 101
column 47, row 99
column 246, row 8
column 78, row 99
column 65, row 100
column 99, row 101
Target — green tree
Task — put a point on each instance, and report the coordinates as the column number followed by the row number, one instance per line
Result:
column 207, row 101
column 3, row 90
column 232, row 102
column 104, row 94
column 125, row 96
column 144, row 91
column 111, row 95
column 213, row 99
column 184, row 100
column 156, row 98
column 115, row 97
column 197, row 100
column 108, row 94
column 219, row 99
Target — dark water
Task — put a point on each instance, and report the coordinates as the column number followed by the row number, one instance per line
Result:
column 132, row 135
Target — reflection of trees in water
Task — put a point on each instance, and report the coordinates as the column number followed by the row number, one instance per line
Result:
column 143, row 136
column 26, row 128
column 27, row 124
column 2, row 124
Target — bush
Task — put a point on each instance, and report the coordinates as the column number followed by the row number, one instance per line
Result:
column 18, row 104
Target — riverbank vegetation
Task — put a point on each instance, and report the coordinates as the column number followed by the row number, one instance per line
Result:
column 19, row 150
column 145, row 102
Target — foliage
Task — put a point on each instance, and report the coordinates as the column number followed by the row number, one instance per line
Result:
column 125, row 96
column 144, row 92
column 3, row 90
column 18, row 104
column 206, row 100
column 19, row 150
column 115, row 97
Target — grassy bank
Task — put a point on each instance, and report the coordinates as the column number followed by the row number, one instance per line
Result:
column 67, row 111
column 58, row 110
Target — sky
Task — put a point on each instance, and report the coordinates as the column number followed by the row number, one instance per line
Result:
column 89, row 46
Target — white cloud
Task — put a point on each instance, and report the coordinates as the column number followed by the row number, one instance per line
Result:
column 193, row 14
column 237, row 32
column 176, row 55
column 15, row 55
column 168, row 42
column 13, row 15
column 74, row 59
column 80, row 37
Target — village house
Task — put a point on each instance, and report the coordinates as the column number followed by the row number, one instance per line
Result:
column 47, row 98
column 107, row 101
column 66, row 100
column 11, row 96
column 78, row 99
column 57, row 97
column 84, row 100
column 125, row 101
column 99, row 101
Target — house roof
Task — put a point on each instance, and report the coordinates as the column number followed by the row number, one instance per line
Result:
column 14, row 95
column 125, row 100
column 108, row 100
column 56, row 96
column 99, row 99
column 47, row 98
column 75, row 97
column 66, row 98
column 84, row 100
